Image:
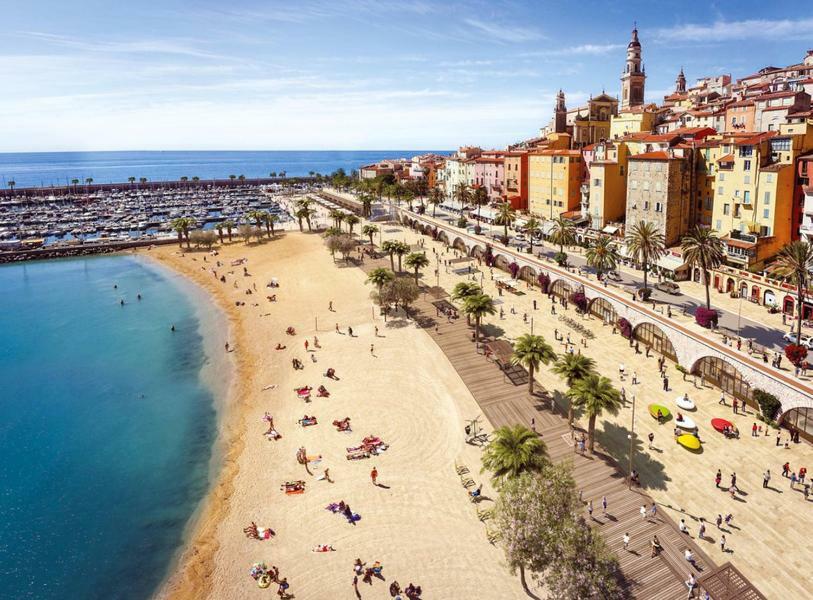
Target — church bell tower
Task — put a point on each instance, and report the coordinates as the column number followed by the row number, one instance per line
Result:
column 632, row 80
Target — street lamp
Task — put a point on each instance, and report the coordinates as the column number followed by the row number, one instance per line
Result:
column 631, row 437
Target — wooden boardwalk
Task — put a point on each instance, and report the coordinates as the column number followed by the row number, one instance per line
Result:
column 503, row 403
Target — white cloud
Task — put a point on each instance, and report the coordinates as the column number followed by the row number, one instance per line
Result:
column 504, row 33
column 721, row 31
column 148, row 46
column 581, row 50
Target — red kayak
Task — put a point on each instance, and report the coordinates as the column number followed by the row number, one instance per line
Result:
column 720, row 424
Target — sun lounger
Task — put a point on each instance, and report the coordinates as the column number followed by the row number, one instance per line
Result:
column 485, row 514
column 493, row 536
column 461, row 469
column 467, row 481
column 358, row 455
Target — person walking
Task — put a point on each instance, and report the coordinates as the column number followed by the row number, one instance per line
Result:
column 766, row 478
column 376, row 331
column 734, row 480
column 719, row 521
column 722, row 543
column 778, row 438
column 734, row 405
column 643, row 512
column 653, row 511
column 635, row 378
column 651, row 438
column 374, row 476
column 793, row 480
column 701, row 532
column 307, row 343
column 372, row 349
column 626, row 540
column 718, row 478
column 665, row 384
column 785, row 469
column 722, row 399
column 350, row 331
column 604, row 505
column 754, row 430
column 330, row 306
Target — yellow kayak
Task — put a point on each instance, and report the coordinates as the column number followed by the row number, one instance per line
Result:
column 264, row 581
column 654, row 408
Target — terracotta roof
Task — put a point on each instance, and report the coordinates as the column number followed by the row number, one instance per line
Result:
column 767, row 108
column 658, row 155
column 741, row 103
column 738, row 243
column 774, row 95
column 572, row 213
column 558, row 153
column 752, row 141
column 726, row 159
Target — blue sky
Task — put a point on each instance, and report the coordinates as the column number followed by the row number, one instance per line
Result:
column 349, row 74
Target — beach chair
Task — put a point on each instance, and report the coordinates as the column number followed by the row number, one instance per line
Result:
column 493, row 536
column 357, row 455
column 467, row 481
column 461, row 469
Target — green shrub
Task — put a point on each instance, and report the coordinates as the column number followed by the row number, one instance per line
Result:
column 768, row 404
column 462, row 222
column 560, row 258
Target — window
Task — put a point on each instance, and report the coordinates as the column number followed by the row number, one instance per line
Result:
column 721, row 176
column 597, row 182
column 746, row 150
column 780, row 145
column 718, row 225
column 726, row 209
column 736, row 193
column 646, row 185
column 736, row 211
column 746, row 197
column 747, row 180
column 658, row 186
column 767, row 198
column 720, row 190
column 658, row 207
column 634, row 184
column 766, row 214
column 746, row 164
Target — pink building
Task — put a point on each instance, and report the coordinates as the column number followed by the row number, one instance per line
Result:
column 489, row 171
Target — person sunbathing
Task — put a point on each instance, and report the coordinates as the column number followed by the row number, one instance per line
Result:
column 331, row 373
column 272, row 298
column 322, row 392
column 304, row 391
column 252, row 531
column 290, row 331
column 307, row 421
column 280, row 347
column 324, row 548
column 343, row 425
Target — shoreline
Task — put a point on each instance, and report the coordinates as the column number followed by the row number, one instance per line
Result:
column 193, row 561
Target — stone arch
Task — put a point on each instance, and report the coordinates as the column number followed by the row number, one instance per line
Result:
column 723, row 375
column 443, row 237
column 478, row 251
column 561, row 288
column 501, row 262
column 459, row 244
column 755, row 293
column 603, row 309
column 656, row 338
column 527, row 273
column 743, row 289
column 799, row 420
column 730, row 285
column 769, row 297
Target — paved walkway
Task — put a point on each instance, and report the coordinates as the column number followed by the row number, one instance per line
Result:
column 504, row 403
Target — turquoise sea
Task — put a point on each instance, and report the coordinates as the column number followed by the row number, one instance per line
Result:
column 43, row 169
column 107, row 425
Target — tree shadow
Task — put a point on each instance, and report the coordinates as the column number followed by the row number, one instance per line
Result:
column 613, row 438
column 491, row 330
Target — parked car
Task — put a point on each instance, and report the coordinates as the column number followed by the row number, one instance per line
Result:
column 613, row 276
column 670, row 287
column 806, row 340
column 520, row 237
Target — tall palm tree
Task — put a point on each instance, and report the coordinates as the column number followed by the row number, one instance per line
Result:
column 74, row 183
column 602, row 255
column 195, row 179
column 219, row 227
column 506, row 215
column 573, row 367
column 11, row 184
column 646, row 245
column 477, row 307
column 181, row 226
column 702, row 248
column 401, row 250
column 369, row 230
column 242, row 178
column 270, row 219
column 530, row 351
column 463, row 290
column 337, row 216
column 232, row 178
column 435, row 198
column 513, row 451
column 379, row 277
column 142, row 180
column 184, row 179
column 417, row 261
column 795, row 262
column 563, row 234
column 131, row 180
column 479, row 198
column 230, row 227
column 463, row 195
column 390, row 246
column 532, row 228
column 352, row 221
column 596, row 395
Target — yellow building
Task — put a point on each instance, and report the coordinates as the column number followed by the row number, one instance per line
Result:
column 607, row 197
column 640, row 119
column 753, row 199
column 554, row 181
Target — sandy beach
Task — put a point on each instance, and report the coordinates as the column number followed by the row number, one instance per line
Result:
column 419, row 522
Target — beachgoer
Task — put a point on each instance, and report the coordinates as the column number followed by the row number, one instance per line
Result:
column 374, row 476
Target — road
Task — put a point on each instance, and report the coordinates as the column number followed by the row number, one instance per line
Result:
column 749, row 329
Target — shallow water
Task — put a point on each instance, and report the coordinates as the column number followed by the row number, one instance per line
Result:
column 106, row 427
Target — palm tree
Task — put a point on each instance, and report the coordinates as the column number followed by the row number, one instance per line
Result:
column 702, row 248
column 181, row 226
column 11, row 184
column 573, row 367
column 435, row 198
column 184, row 179
column 401, row 249
column 379, row 277
column 506, row 215
column 337, row 216
column 369, row 230
column 563, row 234
column 513, row 451
column 351, row 221
column 270, row 220
column 232, row 178
column 131, row 180
column 478, row 306
column 272, row 174
column 595, row 394
column 142, row 180
column 795, row 262
column 532, row 228
column 230, row 226
column 479, row 198
column 530, row 351
column 195, row 179
column 417, row 261
column 242, row 178
column 88, row 181
column 390, row 247
column 74, row 183
column 646, row 245
column 219, row 227
column 463, row 195
column 602, row 255
column 300, row 214
column 463, row 290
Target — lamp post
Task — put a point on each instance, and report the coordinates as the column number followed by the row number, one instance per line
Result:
column 631, row 438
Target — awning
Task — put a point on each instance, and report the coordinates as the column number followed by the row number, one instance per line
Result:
column 671, row 263
column 547, row 227
column 612, row 230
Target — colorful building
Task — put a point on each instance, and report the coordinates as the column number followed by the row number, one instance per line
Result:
column 554, row 181
column 515, row 171
column 606, row 198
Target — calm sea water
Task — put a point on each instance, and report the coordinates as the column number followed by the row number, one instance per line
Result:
column 59, row 168
column 106, row 427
